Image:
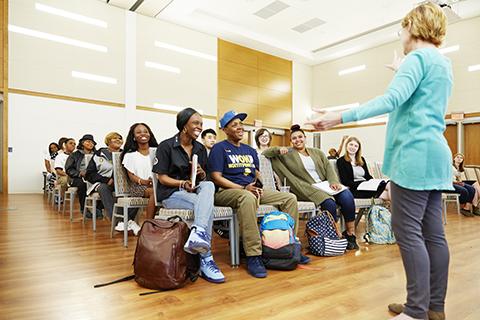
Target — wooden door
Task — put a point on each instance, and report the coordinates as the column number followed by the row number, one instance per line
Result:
column 472, row 143
column 451, row 136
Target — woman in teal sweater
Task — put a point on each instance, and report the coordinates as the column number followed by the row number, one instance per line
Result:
column 417, row 157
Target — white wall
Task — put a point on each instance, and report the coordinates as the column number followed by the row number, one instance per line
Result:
column 372, row 139
column 302, row 94
column 330, row 89
column 30, row 130
column 46, row 66
column 195, row 86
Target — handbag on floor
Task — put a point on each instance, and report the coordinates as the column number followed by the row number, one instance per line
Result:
column 160, row 263
column 379, row 226
column 324, row 238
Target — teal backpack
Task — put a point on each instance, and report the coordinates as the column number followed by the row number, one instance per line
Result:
column 379, row 226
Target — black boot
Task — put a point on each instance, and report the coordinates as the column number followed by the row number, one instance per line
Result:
column 351, row 241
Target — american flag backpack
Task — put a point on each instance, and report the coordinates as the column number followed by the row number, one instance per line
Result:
column 323, row 236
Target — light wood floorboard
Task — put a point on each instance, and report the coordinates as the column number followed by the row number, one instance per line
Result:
column 48, row 267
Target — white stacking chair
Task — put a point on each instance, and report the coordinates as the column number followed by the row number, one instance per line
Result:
column 70, row 198
column 125, row 201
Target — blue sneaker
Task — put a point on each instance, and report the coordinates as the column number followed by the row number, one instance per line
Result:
column 304, row 259
column 256, row 267
column 198, row 241
column 210, row 271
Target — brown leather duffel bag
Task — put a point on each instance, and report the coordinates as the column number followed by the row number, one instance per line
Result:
column 160, row 263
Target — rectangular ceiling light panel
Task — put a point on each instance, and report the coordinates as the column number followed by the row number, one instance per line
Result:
column 271, row 9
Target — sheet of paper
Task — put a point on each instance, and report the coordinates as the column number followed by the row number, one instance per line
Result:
column 194, row 170
column 325, row 187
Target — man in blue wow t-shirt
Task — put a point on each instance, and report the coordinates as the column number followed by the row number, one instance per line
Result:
column 233, row 166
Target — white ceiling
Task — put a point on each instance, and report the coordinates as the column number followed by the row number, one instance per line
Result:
column 350, row 25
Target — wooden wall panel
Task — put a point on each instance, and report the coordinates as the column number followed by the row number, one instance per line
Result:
column 2, row 29
column 274, row 81
column 256, row 83
column 237, row 73
column 451, row 136
column 274, row 64
column 472, row 143
column 251, row 109
column 275, row 117
column 234, row 53
column 237, row 91
column 275, row 99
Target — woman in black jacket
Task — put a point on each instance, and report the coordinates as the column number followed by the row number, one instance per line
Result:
column 76, row 167
column 353, row 170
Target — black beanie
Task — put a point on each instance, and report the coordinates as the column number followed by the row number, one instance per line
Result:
column 183, row 117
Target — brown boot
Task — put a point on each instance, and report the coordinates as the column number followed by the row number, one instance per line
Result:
column 432, row 315
column 396, row 308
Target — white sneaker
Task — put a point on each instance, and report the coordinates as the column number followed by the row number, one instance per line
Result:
column 210, row 271
column 119, row 227
column 132, row 225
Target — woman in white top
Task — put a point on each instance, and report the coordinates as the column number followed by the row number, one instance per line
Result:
column 302, row 167
column 136, row 160
column 353, row 170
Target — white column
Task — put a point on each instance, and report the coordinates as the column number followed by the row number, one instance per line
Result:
column 130, row 67
column 460, row 137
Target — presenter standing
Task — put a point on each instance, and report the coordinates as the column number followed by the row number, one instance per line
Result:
column 417, row 157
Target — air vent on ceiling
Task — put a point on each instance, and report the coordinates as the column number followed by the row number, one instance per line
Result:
column 271, row 10
column 308, row 25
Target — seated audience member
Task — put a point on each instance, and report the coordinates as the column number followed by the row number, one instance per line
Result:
column 50, row 156
column 175, row 191
column 209, row 138
column 469, row 192
column 302, row 167
column 353, row 170
column 100, row 172
column 263, row 139
column 233, row 167
column 333, row 154
column 136, row 160
column 76, row 167
column 68, row 146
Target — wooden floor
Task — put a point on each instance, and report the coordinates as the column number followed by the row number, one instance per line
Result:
column 48, row 267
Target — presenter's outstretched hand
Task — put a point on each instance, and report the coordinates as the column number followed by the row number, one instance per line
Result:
column 326, row 120
column 396, row 62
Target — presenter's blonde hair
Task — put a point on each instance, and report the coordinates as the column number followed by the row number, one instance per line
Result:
column 427, row 22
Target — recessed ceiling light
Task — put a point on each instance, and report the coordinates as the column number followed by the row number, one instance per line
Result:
column 190, row 52
column 475, row 67
column 163, row 67
column 308, row 25
column 93, row 77
column 55, row 38
column 352, row 70
column 342, row 107
column 70, row 15
column 449, row 49
column 271, row 9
